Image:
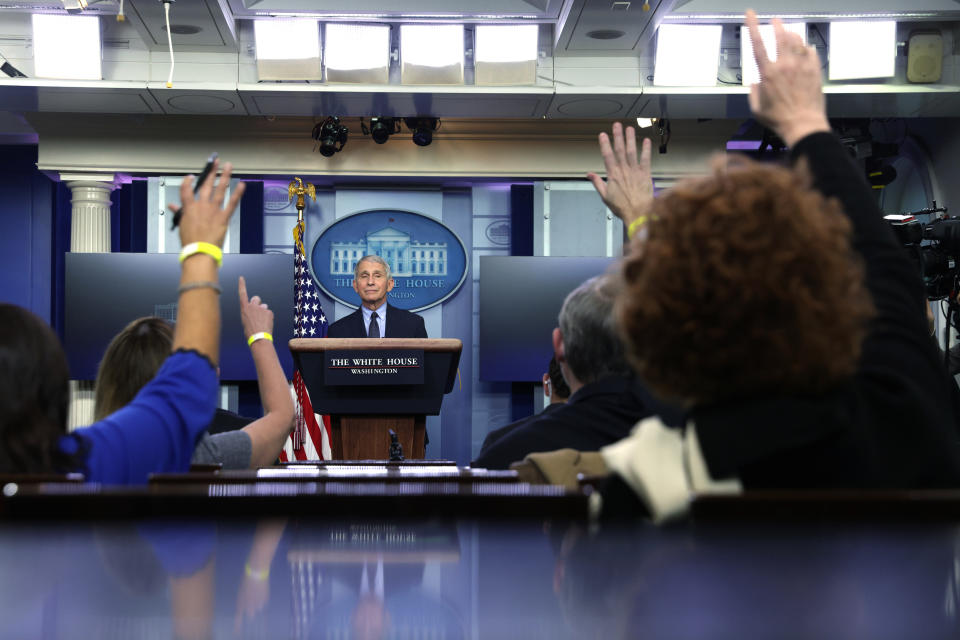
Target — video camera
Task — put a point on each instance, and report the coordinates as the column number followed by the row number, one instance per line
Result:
column 934, row 246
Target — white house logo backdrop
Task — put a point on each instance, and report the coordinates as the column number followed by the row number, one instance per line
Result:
column 427, row 260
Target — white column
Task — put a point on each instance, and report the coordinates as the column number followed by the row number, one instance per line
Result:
column 90, row 212
column 89, row 233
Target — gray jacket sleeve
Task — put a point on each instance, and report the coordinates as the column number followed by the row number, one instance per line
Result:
column 232, row 449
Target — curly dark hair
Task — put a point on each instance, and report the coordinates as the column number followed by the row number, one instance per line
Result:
column 745, row 282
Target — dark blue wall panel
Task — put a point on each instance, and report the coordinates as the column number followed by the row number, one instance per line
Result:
column 455, row 416
column 25, row 230
column 251, row 218
column 521, row 219
column 128, row 218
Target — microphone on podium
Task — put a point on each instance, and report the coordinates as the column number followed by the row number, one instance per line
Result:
column 396, row 449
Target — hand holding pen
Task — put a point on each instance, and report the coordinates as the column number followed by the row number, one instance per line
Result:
column 211, row 162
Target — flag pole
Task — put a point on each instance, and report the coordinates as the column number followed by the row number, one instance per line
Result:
column 297, row 189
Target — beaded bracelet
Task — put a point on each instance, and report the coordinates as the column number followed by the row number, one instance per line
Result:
column 199, row 284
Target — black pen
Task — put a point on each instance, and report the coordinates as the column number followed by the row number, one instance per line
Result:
column 207, row 168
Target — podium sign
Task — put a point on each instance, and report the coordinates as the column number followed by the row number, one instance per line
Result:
column 353, row 380
column 379, row 367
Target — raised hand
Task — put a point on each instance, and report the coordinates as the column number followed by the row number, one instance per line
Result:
column 628, row 191
column 205, row 217
column 254, row 313
column 789, row 97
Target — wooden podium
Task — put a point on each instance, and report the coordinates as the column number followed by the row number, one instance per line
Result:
column 361, row 413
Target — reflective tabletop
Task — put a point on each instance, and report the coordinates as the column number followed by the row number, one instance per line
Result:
column 435, row 578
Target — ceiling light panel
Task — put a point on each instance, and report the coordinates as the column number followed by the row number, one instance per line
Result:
column 749, row 71
column 687, row 55
column 506, row 54
column 862, row 50
column 358, row 53
column 288, row 49
column 66, row 47
column 431, row 54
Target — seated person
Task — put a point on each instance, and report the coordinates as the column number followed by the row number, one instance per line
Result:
column 375, row 318
column 555, row 390
column 157, row 431
column 606, row 399
column 787, row 318
column 136, row 353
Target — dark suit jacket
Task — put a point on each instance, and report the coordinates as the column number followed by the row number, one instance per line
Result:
column 400, row 324
column 598, row 414
column 497, row 434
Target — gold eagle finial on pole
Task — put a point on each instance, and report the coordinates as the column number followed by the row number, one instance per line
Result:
column 298, row 189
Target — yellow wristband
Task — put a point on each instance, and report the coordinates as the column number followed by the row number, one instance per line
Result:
column 194, row 248
column 635, row 226
column 256, row 574
column 263, row 335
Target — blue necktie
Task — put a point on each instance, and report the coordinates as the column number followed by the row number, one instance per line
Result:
column 374, row 331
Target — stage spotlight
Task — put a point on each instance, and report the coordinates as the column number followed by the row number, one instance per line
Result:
column 423, row 129
column 330, row 135
column 381, row 128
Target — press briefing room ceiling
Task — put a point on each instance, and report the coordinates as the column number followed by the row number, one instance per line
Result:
column 593, row 59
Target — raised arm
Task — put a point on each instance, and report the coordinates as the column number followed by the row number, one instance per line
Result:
column 202, row 228
column 267, row 434
column 789, row 100
column 628, row 190
column 158, row 430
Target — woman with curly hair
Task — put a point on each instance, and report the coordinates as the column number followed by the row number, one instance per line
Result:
column 778, row 307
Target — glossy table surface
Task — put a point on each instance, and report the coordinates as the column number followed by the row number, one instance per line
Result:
column 336, row 578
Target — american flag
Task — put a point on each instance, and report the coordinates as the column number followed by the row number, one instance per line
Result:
column 311, row 438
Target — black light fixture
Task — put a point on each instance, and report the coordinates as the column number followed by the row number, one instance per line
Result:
column 330, row 135
column 9, row 69
column 381, row 128
column 423, row 129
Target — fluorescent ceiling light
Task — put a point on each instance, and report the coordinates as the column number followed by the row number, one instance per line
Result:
column 287, row 39
column 506, row 43
column 288, row 49
column 431, row 54
column 66, row 47
column 358, row 53
column 687, row 55
column 506, row 54
column 862, row 50
column 748, row 65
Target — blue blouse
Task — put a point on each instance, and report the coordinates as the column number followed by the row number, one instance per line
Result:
column 158, row 430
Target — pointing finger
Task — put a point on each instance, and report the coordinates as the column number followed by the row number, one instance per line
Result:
column 242, row 289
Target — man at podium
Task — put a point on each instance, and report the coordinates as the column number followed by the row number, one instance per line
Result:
column 375, row 318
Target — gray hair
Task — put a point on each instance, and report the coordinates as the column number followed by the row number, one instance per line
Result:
column 591, row 343
column 371, row 258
